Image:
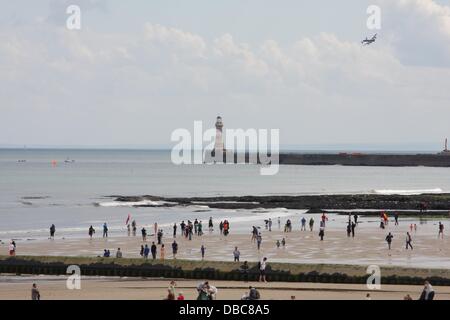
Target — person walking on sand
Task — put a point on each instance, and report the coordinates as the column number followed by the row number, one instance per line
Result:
column 408, row 241
column 258, row 240
column 396, row 218
column 278, row 243
column 389, row 240
column 353, row 229
column 144, row 234
column 441, row 231
column 105, row 230
column 174, row 249
column 141, row 253
column 153, row 250
column 174, row 230
column 162, row 252
column 35, row 294
column 283, row 242
column 202, row 250
column 303, row 228
column 236, row 254
column 311, row 224
column 91, row 231
column 262, row 270
column 146, row 251
column 52, row 231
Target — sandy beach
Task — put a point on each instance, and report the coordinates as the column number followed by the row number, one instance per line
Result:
column 368, row 246
column 103, row 288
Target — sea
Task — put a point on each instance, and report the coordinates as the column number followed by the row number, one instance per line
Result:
column 72, row 188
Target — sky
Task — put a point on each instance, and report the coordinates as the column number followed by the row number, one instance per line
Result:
column 138, row 70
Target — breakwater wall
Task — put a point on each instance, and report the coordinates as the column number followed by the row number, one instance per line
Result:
column 214, row 270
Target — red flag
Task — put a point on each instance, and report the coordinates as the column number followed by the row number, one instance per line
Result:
column 128, row 219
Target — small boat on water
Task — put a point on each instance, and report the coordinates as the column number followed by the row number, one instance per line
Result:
column 69, row 160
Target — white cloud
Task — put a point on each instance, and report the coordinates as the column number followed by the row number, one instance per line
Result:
column 110, row 88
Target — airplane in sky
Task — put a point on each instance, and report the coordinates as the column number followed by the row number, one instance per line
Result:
column 367, row 42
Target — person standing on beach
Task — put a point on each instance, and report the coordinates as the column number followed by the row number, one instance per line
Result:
column 408, row 241
column 389, row 240
column 159, row 236
column 118, row 253
column 174, row 249
column 236, row 254
column 35, row 294
column 202, row 250
column 105, row 230
column 278, row 244
column 396, row 218
column 182, row 228
column 355, row 217
column 322, row 230
column 174, row 230
column 153, row 250
column 262, row 270
column 200, row 229
column 283, row 242
column 254, row 233
column 144, row 234
column 162, row 252
column 221, row 227
column 12, row 249
column 270, row 224
column 195, row 226
column 279, row 223
column 324, row 219
column 349, row 229
column 441, row 230
column 311, row 224
column 303, row 228
column 210, row 225
column 353, row 229
column 428, row 292
column 134, row 227
column 141, row 253
column 91, row 231
column 146, row 251
column 52, row 231
column 128, row 229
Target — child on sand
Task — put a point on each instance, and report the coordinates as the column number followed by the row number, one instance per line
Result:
column 202, row 250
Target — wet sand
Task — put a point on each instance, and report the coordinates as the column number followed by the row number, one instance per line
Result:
column 98, row 288
column 368, row 247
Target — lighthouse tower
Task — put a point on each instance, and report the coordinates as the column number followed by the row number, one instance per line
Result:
column 446, row 151
column 218, row 145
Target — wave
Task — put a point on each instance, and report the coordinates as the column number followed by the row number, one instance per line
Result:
column 135, row 203
column 408, row 192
